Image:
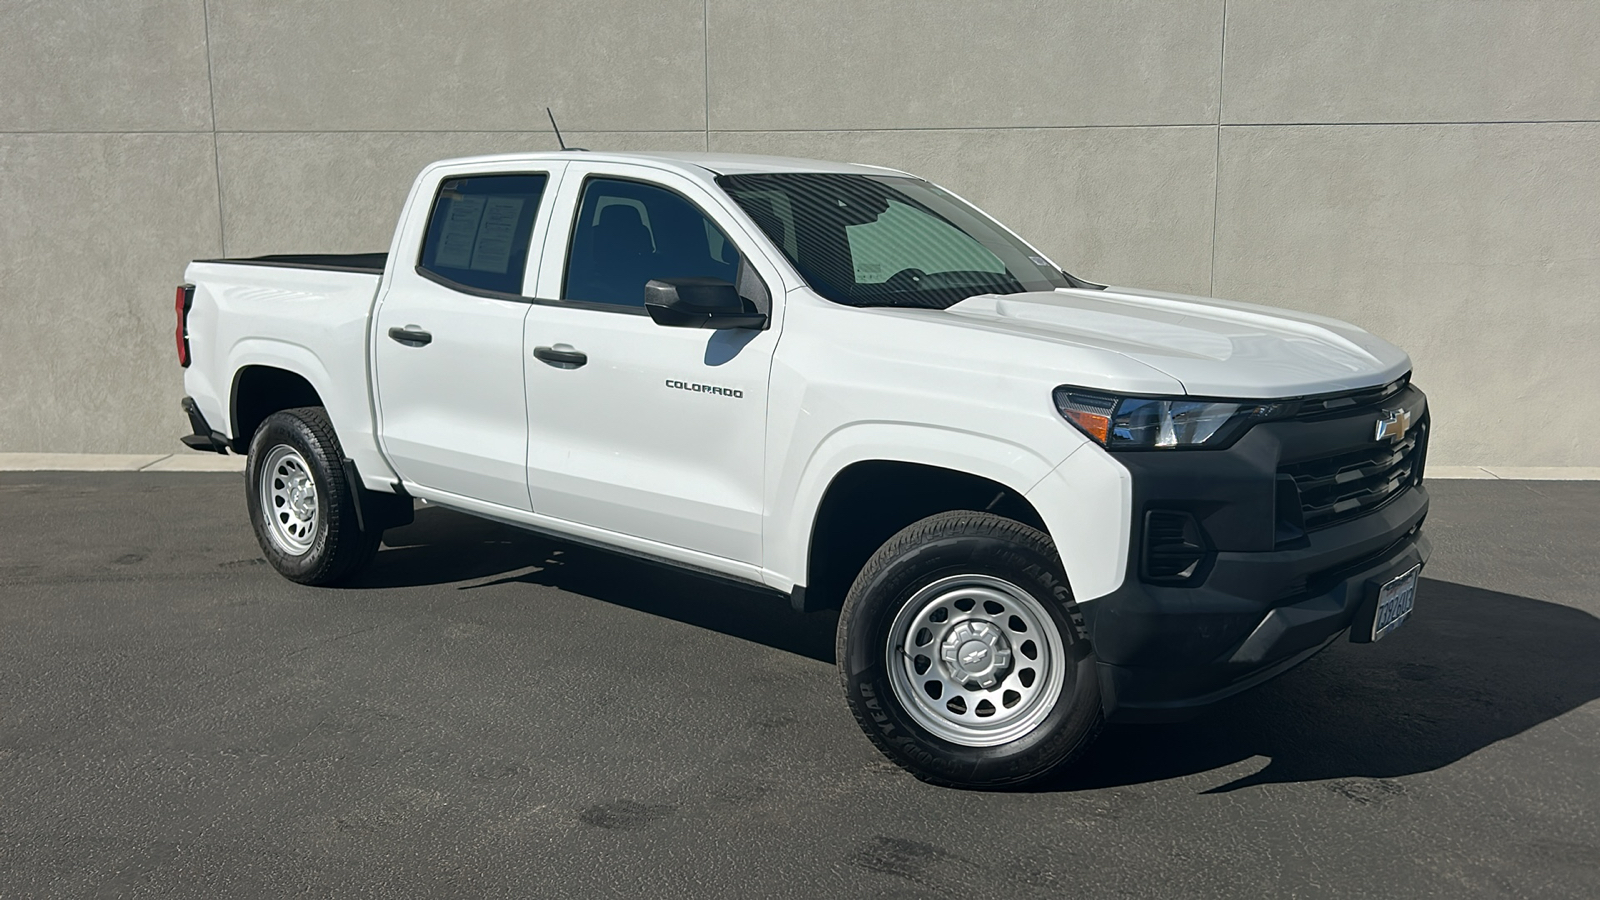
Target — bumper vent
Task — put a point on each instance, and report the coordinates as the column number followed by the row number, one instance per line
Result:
column 1174, row 550
column 1338, row 488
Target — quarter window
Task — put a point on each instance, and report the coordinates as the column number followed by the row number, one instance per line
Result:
column 480, row 229
column 627, row 233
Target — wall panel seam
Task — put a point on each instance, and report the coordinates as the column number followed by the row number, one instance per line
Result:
column 913, row 128
column 706, row 64
column 216, row 151
column 1212, row 124
column 135, row 132
column 535, row 130
column 1216, row 161
column 1411, row 124
column 530, row 131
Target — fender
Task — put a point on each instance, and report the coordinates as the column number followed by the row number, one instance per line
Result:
column 272, row 353
column 1087, row 503
column 787, row 540
column 350, row 417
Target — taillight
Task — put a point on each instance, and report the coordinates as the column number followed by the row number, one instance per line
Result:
column 180, row 306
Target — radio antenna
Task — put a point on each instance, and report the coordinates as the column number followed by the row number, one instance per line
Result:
column 557, row 130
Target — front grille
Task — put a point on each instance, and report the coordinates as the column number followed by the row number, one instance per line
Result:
column 1350, row 402
column 1341, row 487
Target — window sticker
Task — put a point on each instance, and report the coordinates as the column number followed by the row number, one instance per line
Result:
column 460, row 227
column 492, row 250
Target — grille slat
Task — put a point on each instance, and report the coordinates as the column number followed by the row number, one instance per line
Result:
column 1345, row 485
column 1314, row 408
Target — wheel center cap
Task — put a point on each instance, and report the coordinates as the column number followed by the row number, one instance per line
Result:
column 975, row 651
column 973, row 654
column 301, row 499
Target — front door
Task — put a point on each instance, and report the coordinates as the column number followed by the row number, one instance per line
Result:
column 447, row 347
column 635, row 428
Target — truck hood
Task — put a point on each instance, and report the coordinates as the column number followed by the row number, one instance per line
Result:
column 1215, row 348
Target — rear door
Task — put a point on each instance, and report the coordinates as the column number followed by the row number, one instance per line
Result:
column 635, row 428
column 447, row 345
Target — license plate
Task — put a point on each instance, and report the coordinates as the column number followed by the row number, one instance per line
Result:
column 1395, row 602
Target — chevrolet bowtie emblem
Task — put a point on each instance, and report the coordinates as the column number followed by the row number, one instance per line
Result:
column 1392, row 424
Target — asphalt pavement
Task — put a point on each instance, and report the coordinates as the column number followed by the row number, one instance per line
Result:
column 491, row 713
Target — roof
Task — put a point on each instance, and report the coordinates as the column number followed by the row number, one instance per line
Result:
column 746, row 164
column 718, row 163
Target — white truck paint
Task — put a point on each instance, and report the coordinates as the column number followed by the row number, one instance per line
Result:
column 714, row 448
column 851, row 385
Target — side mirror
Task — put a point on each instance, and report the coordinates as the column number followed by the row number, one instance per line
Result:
column 699, row 303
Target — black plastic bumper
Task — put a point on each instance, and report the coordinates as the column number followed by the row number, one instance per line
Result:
column 204, row 438
column 1259, row 604
column 1175, row 650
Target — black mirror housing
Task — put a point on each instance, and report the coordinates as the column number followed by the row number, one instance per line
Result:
column 699, row 303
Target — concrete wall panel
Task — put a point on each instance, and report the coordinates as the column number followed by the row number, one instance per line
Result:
column 312, row 65
column 1090, row 127
column 1412, row 61
column 1128, row 205
column 88, row 65
column 342, row 192
column 1472, row 247
column 96, row 234
column 837, row 64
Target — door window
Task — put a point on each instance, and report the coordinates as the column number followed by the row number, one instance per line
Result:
column 480, row 229
column 627, row 233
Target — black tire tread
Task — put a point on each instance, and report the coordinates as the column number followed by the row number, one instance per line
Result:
column 349, row 550
column 935, row 527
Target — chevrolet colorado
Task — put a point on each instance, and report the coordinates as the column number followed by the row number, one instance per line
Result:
column 1039, row 503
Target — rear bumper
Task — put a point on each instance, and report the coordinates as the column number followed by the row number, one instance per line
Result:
column 204, row 437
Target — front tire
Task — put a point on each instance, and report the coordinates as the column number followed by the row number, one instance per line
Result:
column 963, row 655
column 301, row 506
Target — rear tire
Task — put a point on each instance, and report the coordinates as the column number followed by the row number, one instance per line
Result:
column 964, row 657
column 301, row 507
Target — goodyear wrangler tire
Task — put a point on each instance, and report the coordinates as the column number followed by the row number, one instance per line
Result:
column 302, row 509
column 963, row 655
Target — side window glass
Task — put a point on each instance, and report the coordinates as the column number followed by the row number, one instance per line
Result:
column 480, row 229
column 627, row 233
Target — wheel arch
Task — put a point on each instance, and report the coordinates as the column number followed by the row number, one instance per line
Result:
column 868, row 501
column 796, row 496
column 258, row 391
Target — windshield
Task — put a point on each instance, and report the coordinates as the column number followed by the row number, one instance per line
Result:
column 871, row 240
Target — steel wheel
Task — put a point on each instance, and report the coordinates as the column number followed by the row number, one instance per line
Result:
column 289, row 500
column 975, row 660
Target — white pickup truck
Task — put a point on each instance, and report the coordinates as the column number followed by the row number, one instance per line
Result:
column 1042, row 504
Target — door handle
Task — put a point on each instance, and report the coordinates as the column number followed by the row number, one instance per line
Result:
column 411, row 336
column 567, row 358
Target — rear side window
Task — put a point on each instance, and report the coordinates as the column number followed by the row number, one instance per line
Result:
column 628, row 233
column 480, row 229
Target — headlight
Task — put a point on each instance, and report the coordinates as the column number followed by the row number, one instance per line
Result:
column 1159, row 423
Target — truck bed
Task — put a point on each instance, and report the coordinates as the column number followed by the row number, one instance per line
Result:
column 305, row 314
column 367, row 263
